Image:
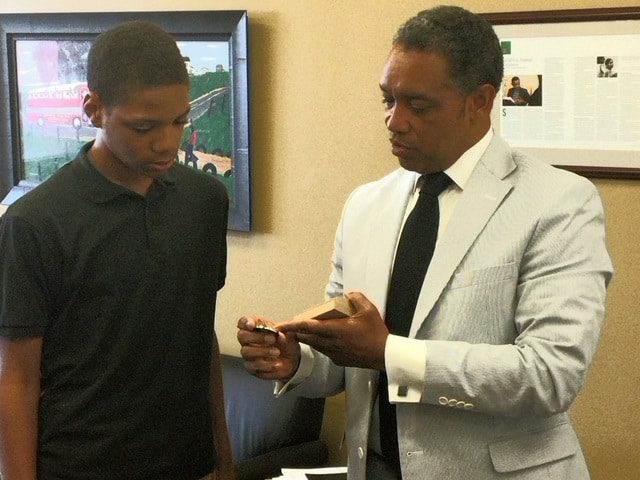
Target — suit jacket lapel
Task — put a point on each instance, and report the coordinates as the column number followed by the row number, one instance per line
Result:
column 383, row 236
column 482, row 195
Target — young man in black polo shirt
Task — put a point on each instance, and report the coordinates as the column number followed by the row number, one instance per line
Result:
column 109, row 364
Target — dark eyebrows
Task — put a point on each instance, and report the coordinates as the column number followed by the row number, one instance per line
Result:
column 408, row 95
column 156, row 120
column 411, row 96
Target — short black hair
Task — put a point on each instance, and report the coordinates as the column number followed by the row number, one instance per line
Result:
column 131, row 56
column 466, row 40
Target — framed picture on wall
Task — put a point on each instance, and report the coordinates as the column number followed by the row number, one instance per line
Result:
column 43, row 82
column 566, row 95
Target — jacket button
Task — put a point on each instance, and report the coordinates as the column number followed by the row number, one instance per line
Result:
column 468, row 406
column 443, row 400
column 360, row 453
column 460, row 404
column 452, row 402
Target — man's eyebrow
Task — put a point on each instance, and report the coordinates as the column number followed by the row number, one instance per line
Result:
column 407, row 94
column 157, row 119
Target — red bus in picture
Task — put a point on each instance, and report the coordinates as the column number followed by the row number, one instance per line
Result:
column 58, row 105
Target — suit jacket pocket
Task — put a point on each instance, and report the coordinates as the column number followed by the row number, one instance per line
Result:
column 533, row 449
column 497, row 273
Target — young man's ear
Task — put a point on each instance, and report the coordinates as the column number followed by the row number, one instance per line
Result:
column 92, row 106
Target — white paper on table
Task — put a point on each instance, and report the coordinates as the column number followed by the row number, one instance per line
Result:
column 301, row 473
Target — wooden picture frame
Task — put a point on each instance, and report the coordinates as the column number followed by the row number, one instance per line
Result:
column 583, row 120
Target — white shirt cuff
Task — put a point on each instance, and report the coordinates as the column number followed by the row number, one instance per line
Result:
column 406, row 364
column 304, row 370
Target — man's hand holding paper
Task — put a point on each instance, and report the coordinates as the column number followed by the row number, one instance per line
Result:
column 356, row 341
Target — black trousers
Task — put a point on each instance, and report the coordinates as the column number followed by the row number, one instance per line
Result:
column 379, row 469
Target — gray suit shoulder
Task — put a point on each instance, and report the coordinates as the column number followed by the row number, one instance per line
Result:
column 548, row 178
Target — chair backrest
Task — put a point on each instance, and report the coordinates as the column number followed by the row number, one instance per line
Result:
column 258, row 421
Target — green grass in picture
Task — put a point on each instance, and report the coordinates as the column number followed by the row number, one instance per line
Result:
column 44, row 155
column 214, row 126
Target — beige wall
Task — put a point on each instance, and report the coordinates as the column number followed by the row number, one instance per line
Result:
column 317, row 132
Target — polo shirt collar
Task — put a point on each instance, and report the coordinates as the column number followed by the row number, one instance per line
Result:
column 97, row 188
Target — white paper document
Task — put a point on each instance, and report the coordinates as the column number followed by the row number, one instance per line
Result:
column 588, row 99
column 312, row 473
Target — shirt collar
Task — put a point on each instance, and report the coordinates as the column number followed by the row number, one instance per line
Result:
column 99, row 189
column 461, row 170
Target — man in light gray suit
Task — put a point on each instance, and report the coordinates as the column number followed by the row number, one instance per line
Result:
column 509, row 314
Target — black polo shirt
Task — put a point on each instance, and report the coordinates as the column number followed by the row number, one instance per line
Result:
column 122, row 288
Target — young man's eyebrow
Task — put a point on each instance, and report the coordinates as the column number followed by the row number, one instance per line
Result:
column 156, row 119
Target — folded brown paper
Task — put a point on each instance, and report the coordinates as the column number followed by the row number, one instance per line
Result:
column 337, row 307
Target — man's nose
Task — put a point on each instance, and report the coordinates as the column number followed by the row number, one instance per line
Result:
column 396, row 119
column 168, row 138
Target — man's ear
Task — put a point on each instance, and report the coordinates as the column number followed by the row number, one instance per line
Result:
column 480, row 101
column 92, row 106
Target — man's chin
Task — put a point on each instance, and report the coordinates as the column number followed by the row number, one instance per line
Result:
column 411, row 164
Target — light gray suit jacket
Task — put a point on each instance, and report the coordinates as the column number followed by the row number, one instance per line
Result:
column 511, row 311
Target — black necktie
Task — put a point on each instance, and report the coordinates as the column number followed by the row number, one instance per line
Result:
column 414, row 252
